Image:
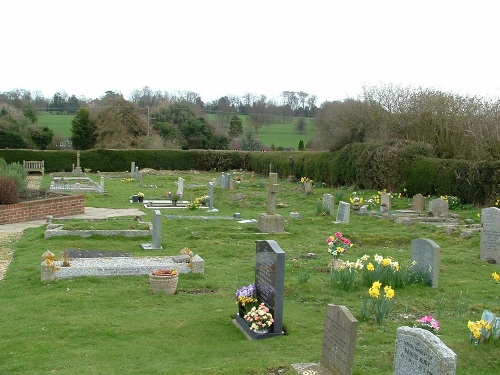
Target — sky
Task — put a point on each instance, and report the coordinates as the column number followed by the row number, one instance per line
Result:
column 327, row 48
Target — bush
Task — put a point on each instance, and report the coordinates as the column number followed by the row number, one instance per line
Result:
column 16, row 172
column 8, row 190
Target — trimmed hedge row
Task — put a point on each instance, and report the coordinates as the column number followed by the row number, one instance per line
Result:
column 394, row 166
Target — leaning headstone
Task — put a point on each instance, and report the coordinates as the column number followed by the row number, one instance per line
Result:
column 155, row 233
column 339, row 343
column 418, row 203
column 271, row 222
column 343, row 213
column 425, row 255
column 438, row 207
column 270, row 286
column 490, row 234
column 420, row 352
column 328, row 203
column 210, row 191
column 386, row 201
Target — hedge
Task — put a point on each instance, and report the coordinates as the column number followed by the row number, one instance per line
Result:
column 394, row 166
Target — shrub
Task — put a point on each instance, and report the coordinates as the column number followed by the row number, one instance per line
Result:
column 16, row 172
column 8, row 190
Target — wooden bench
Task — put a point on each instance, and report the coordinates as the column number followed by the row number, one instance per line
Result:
column 34, row 166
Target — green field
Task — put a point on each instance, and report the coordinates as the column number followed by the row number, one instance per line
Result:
column 115, row 325
column 281, row 135
column 60, row 124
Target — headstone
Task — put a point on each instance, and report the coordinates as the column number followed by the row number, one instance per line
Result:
column 101, row 185
column 227, row 181
column 343, row 213
column 180, row 185
column 418, row 203
column 210, row 193
column 426, row 254
column 308, row 187
column 136, row 174
column 420, row 352
column 438, row 207
column 328, row 203
column 271, row 222
column 339, row 343
column 78, row 169
column 220, row 180
column 490, row 234
column 132, row 167
column 155, row 233
column 385, row 199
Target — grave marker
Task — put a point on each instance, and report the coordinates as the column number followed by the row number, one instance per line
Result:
column 386, row 199
column 339, row 343
column 155, row 233
column 132, row 167
column 180, row 185
column 490, row 234
column 420, row 352
column 418, row 203
column 438, row 207
column 78, row 170
column 210, row 193
column 271, row 222
column 269, row 284
column 328, row 203
column 426, row 254
column 343, row 213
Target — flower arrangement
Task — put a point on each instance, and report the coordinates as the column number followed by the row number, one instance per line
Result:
column 338, row 244
column 162, row 272
column 480, row 331
column 305, row 179
column 197, row 202
column 428, row 323
column 246, row 296
column 259, row 318
column 356, row 200
column 377, row 304
column 140, row 194
column 174, row 197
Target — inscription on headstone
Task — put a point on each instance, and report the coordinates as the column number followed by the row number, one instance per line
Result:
column 343, row 213
column 420, row 352
column 490, row 234
column 270, row 279
column 426, row 254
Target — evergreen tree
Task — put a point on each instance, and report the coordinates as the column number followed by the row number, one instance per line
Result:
column 42, row 137
column 235, row 127
column 83, row 130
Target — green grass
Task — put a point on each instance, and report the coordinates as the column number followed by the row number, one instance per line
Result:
column 115, row 325
column 60, row 124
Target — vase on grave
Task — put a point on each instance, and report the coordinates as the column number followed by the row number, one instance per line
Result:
column 241, row 310
column 140, row 199
column 135, row 199
column 164, row 281
column 356, row 207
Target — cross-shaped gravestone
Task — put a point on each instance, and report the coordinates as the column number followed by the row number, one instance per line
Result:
column 273, row 190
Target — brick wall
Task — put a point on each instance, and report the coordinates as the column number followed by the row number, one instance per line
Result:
column 39, row 209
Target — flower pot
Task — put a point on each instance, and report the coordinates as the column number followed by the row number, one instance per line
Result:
column 261, row 331
column 241, row 310
column 163, row 283
column 135, row 198
column 140, row 199
column 356, row 207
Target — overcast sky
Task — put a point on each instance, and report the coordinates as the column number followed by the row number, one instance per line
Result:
column 326, row 48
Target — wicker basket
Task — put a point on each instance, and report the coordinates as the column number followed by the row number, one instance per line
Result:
column 163, row 284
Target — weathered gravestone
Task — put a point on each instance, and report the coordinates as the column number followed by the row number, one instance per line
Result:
column 343, row 213
column 78, row 170
column 180, row 185
column 271, row 222
column 227, row 181
column 386, row 201
column 420, row 352
column 438, row 207
column 308, row 189
column 490, row 234
column 210, row 193
column 492, row 319
column 132, row 167
column 328, row 203
column 425, row 254
column 418, row 203
column 270, row 286
column 155, row 233
column 339, row 343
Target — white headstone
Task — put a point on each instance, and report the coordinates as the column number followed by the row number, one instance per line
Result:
column 343, row 213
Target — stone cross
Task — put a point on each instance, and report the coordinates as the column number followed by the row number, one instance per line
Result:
column 273, row 189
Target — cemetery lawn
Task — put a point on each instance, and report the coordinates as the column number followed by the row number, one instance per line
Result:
column 115, row 325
